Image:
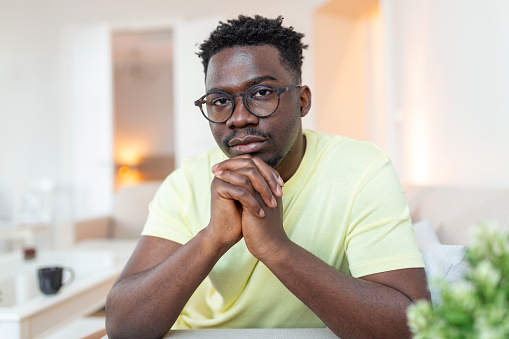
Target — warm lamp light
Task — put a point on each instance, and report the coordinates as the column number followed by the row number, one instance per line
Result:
column 124, row 171
column 129, row 156
column 127, row 175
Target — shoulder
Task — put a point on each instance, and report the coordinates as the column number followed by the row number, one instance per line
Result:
column 343, row 151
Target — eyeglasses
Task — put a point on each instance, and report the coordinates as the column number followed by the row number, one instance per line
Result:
column 261, row 100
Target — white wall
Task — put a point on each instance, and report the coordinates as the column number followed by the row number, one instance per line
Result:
column 34, row 134
column 30, row 112
column 192, row 134
column 450, row 64
column 88, row 103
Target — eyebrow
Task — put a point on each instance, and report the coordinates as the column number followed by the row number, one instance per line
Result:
column 250, row 82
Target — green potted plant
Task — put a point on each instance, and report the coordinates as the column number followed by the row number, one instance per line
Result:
column 478, row 305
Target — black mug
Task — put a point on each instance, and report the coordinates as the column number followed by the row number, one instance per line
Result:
column 51, row 278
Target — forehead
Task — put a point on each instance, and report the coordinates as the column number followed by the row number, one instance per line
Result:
column 236, row 67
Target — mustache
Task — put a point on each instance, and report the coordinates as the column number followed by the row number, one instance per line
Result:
column 243, row 133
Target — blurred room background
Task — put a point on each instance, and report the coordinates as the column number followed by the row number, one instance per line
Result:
column 98, row 95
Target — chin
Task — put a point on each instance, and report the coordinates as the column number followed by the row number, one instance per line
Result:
column 274, row 161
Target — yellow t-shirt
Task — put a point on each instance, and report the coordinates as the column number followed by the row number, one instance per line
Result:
column 344, row 204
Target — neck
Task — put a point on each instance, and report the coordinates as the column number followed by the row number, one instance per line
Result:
column 294, row 157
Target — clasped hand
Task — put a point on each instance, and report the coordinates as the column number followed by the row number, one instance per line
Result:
column 246, row 202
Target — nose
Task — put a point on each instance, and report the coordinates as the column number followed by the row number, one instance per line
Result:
column 241, row 116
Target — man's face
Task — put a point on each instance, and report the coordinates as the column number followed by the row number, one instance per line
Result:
column 276, row 139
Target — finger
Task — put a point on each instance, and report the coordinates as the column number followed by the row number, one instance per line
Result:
column 226, row 190
column 265, row 169
column 251, row 179
column 250, row 176
column 271, row 176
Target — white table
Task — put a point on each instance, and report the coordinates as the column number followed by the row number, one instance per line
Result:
column 254, row 333
column 26, row 313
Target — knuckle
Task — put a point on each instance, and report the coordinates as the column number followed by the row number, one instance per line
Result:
column 242, row 192
column 248, row 161
column 216, row 184
column 251, row 171
column 244, row 181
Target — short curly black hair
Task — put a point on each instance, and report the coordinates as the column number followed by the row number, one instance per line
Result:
column 256, row 31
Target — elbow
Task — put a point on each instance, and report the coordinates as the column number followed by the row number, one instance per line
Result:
column 388, row 324
column 125, row 322
column 113, row 320
column 117, row 322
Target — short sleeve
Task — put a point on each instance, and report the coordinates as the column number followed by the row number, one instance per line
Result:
column 380, row 235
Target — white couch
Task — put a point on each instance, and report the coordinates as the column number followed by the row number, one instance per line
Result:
column 443, row 219
column 119, row 231
column 453, row 211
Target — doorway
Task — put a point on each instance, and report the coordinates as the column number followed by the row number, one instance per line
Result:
column 143, row 117
column 349, row 69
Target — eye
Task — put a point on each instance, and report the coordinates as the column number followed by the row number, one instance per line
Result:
column 219, row 101
column 261, row 92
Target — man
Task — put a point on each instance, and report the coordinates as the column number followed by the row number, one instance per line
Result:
column 278, row 227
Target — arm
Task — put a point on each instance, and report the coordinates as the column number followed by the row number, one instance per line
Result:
column 161, row 275
column 373, row 306
column 148, row 296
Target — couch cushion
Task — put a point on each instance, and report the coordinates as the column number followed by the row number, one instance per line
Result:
column 130, row 210
column 444, row 264
column 454, row 210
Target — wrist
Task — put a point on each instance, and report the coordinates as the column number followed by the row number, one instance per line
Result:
column 276, row 252
column 212, row 244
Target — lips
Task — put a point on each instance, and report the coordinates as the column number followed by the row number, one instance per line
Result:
column 247, row 144
column 245, row 140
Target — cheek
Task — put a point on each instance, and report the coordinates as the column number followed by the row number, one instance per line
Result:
column 291, row 115
column 291, row 105
column 220, row 132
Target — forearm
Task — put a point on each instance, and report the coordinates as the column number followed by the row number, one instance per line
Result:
column 350, row 307
column 146, row 304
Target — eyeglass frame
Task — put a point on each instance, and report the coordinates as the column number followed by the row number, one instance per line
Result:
column 278, row 90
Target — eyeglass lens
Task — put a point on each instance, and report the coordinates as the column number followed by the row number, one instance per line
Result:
column 260, row 100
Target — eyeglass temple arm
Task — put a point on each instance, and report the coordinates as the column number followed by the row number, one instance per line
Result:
column 287, row 88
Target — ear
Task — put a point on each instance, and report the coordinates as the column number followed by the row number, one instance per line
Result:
column 305, row 100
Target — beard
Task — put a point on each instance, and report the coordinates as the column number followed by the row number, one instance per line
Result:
column 275, row 159
column 273, row 162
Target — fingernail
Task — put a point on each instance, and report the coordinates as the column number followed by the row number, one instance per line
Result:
column 280, row 181
column 217, row 173
column 214, row 167
column 261, row 213
column 279, row 191
column 273, row 202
